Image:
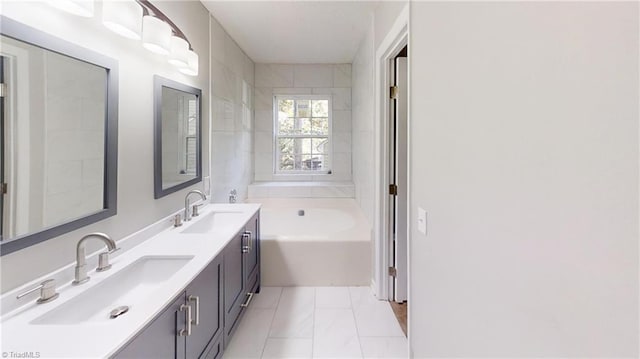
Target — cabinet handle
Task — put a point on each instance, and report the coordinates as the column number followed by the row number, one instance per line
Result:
column 187, row 318
column 196, row 299
column 249, row 297
column 249, row 239
column 246, row 248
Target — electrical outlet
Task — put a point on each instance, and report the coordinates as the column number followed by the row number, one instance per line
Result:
column 422, row 221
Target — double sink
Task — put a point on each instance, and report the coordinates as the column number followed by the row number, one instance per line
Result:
column 129, row 287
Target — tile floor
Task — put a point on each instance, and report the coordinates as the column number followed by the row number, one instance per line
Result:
column 318, row 322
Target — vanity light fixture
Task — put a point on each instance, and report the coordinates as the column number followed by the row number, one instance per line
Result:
column 82, row 8
column 179, row 55
column 123, row 17
column 156, row 35
column 139, row 19
column 192, row 68
column 175, row 44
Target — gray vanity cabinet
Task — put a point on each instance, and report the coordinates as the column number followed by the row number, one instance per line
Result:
column 253, row 255
column 204, row 295
column 159, row 339
column 241, row 274
column 234, row 284
column 216, row 298
column 167, row 337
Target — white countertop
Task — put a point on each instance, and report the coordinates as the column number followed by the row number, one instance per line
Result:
column 104, row 338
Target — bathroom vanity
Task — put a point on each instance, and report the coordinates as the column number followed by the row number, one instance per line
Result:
column 180, row 293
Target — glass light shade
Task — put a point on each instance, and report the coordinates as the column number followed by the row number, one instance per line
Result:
column 82, row 8
column 192, row 69
column 156, row 35
column 123, row 17
column 179, row 55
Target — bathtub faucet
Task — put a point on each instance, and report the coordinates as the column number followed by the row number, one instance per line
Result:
column 233, row 196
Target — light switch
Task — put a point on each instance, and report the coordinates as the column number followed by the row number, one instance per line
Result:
column 422, row 221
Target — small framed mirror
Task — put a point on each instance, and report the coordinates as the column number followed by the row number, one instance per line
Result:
column 177, row 143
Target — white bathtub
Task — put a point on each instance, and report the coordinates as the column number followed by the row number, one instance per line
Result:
column 330, row 245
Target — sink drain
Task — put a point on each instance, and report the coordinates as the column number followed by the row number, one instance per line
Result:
column 119, row 311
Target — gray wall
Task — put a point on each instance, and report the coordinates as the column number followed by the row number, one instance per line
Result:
column 136, row 205
column 524, row 152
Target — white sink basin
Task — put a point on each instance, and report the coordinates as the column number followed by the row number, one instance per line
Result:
column 215, row 222
column 129, row 286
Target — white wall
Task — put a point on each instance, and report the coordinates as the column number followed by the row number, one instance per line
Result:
column 136, row 205
column 524, row 143
column 299, row 79
column 232, row 80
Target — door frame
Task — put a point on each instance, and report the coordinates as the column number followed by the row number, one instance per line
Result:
column 395, row 40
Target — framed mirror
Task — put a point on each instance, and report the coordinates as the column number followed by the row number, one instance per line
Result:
column 58, row 128
column 177, row 137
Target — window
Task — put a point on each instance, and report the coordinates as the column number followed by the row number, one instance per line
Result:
column 191, row 139
column 302, row 134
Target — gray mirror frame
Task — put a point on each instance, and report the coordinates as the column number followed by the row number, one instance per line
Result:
column 158, row 83
column 27, row 34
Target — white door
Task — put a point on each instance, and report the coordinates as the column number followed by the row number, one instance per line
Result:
column 399, row 225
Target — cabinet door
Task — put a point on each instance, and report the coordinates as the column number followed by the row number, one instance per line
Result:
column 253, row 256
column 204, row 295
column 234, row 283
column 159, row 339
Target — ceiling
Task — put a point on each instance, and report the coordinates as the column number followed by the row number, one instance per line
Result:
column 295, row 31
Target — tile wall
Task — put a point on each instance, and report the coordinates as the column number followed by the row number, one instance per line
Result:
column 298, row 79
column 363, row 127
column 74, row 140
column 232, row 76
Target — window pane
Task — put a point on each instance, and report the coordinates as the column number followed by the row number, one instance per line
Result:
column 286, row 107
column 286, row 162
column 303, row 108
column 320, row 145
column 286, row 125
column 303, row 145
column 320, row 108
column 320, row 126
column 303, row 126
column 286, row 146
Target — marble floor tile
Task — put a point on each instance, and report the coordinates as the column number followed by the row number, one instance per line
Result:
column 277, row 348
column 335, row 334
column 384, row 347
column 333, row 297
column 249, row 339
column 294, row 315
column 268, row 298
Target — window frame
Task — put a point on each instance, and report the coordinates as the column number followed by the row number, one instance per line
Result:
column 277, row 136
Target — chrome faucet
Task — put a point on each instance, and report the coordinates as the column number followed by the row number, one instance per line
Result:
column 233, row 196
column 187, row 215
column 81, row 260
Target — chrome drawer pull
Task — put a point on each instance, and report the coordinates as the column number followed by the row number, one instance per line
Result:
column 187, row 318
column 246, row 304
column 196, row 299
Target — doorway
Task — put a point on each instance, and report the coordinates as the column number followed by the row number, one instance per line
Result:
column 398, row 187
